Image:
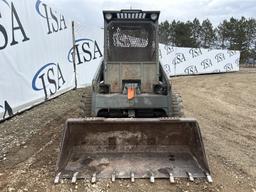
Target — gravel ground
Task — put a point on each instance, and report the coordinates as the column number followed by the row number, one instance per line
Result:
column 224, row 104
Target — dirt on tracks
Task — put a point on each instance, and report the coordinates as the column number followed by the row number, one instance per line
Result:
column 224, row 104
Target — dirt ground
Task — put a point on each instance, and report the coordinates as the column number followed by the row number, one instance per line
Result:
column 224, row 104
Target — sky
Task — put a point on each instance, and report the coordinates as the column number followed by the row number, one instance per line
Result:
column 89, row 12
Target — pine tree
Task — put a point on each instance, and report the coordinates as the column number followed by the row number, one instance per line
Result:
column 183, row 35
column 208, row 36
column 163, row 32
column 235, row 34
column 196, row 31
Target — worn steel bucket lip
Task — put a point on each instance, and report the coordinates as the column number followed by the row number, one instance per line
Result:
column 159, row 166
column 136, row 120
column 96, row 120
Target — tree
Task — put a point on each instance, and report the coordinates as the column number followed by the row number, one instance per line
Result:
column 251, row 37
column 196, row 30
column 234, row 34
column 163, row 32
column 183, row 35
column 172, row 35
column 222, row 35
column 208, row 36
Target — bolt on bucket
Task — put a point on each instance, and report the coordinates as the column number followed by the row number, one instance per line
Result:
column 132, row 148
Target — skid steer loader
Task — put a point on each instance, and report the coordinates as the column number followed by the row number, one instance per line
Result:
column 132, row 125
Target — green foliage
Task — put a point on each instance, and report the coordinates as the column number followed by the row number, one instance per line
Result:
column 234, row 34
column 183, row 35
column 208, row 35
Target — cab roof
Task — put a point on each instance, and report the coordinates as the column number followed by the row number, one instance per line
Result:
column 131, row 14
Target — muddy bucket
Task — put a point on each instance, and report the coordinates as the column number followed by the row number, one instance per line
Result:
column 132, row 148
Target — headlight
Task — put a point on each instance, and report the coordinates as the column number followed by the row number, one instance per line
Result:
column 153, row 16
column 108, row 16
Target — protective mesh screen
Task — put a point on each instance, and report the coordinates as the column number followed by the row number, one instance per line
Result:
column 131, row 42
column 130, row 37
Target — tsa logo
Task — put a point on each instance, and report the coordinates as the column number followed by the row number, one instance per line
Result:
column 206, row 63
column 167, row 69
column 228, row 67
column 179, row 58
column 49, row 79
column 231, row 53
column 220, row 57
column 7, row 110
column 86, row 50
column 5, row 2
column 13, row 29
column 55, row 22
column 190, row 70
column 195, row 52
column 169, row 49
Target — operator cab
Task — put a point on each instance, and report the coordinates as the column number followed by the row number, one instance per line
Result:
column 131, row 50
column 131, row 35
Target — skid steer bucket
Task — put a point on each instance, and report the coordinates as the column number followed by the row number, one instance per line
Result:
column 132, row 148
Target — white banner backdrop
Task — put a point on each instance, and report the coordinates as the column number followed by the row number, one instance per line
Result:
column 190, row 61
column 34, row 41
column 175, row 60
column 36, row 52
column 89, row 52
